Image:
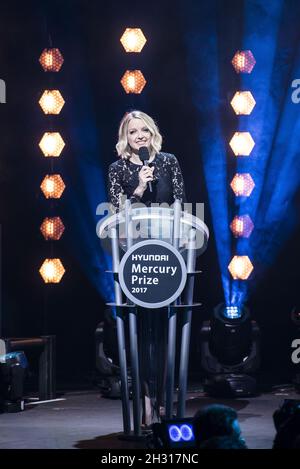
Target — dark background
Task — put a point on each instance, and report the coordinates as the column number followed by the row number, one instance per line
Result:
column 87, row 33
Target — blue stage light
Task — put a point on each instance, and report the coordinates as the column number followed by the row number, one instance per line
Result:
column 182, row 432
column 174, row 433
column 232, row 312
column 187, row 433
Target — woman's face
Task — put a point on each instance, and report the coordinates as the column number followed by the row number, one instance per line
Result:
column 138, row 134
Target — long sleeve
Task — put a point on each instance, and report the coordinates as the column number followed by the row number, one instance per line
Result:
column 115, row 189
column 177, row 180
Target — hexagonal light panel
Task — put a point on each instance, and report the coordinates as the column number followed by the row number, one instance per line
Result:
column 52, row 270
column 242, row 184
column 51, row 60
column 133, row 40
column 243, row 61
column 243, row 103
column 242, row 143
column 242, row 226
column 51, row 102
column 133, row 81
column 51, row 144
column 240, row 267
column 52, row 186
column 52, row 228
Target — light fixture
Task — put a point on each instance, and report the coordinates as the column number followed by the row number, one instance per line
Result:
column 242, row 184
column 243, row 102
column 230, row 351
column 243, row 61
column 175, row 433
column 52, row 228
column 133, row 81
column 52, row 270
column 242, row 143
column 133, row 40
column 242, row 226
column 51, row 102
column 52, row 186
column 240, row 267
column 51, row 144
column 51, row 60
column 232, row 312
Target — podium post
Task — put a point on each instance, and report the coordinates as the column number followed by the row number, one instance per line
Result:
column 120, row 333
column 172, row 323
column 134, row 357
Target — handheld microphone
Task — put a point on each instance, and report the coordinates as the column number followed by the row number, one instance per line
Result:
column 144, row 157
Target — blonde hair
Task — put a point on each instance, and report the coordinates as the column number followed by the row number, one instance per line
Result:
column 122, row 146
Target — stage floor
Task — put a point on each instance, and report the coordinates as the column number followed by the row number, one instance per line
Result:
column 84, row 419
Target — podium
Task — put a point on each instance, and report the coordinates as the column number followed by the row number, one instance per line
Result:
column 154, row 252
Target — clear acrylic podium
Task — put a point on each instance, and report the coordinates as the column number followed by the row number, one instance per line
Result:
column 186, row 234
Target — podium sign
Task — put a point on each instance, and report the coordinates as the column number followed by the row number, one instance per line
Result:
column 152, row 274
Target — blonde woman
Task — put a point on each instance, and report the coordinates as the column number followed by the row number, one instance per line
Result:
column 128, row 176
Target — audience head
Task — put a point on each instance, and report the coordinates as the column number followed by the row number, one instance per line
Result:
column 216, row 421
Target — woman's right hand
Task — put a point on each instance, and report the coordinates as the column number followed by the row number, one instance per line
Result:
column 145, row 176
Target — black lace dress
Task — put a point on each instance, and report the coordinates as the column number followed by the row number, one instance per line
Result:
column 167, row 185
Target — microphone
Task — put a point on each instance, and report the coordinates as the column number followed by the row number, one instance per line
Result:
column 144, row 157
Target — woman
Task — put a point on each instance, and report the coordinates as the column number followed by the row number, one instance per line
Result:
column 129, row 177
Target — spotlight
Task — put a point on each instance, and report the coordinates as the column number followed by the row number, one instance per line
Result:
column 52, row 228
column 242, row 226
column 240, row 267
column 51, row 144
column 52, row 270
column 172, row 434
column 133, row 81
column 51, row 60
column 230, row 349
column 242, row 143
column 243, row 102
column 242, row 184
column 51, row 102
column 243, row 61
column 232, row 312
column 52, row 186
column 133, row 40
